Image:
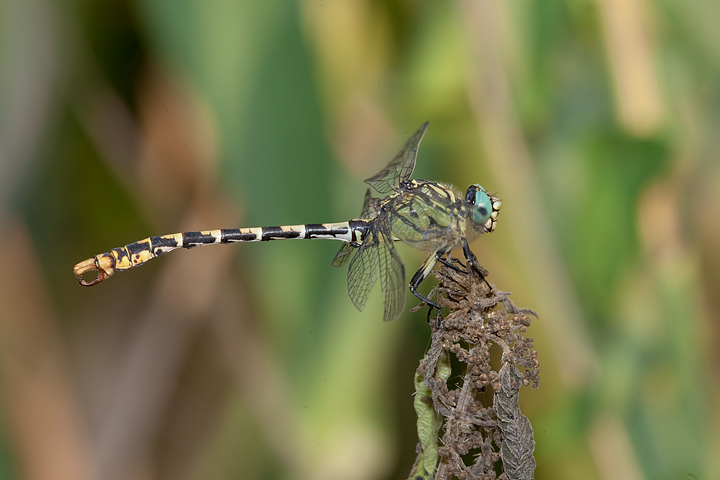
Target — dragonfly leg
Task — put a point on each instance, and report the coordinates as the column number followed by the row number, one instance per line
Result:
column 418, row 278
column 472, row 261
column 452, row 263
column 437, row 316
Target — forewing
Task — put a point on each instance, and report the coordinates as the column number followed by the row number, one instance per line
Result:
column 392, row 278
column 366, row 204
column 362, row 273
column 401, row 167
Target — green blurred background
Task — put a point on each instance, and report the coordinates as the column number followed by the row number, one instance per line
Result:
column 597, row 123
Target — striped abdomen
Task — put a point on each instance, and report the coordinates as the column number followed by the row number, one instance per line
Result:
column 137, row 253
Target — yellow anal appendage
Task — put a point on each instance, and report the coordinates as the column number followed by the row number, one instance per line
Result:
column 103, row 264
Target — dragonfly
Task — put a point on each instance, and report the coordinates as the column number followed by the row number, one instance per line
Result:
column 428, row 216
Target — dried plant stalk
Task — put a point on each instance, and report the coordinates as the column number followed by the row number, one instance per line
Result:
column 477, row 422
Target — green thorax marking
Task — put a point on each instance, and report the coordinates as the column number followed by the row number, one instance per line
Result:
column 426, row 215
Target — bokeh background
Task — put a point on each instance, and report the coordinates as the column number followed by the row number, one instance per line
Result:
column 596, row 121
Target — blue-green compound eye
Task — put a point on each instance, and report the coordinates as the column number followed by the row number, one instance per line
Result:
column 482, row 206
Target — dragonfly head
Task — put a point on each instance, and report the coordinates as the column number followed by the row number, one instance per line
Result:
column 484, row 207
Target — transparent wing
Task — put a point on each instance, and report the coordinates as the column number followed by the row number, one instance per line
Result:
column 347, row 249
column 401, row 167
column 343, row 254
column 366, row 203
column 362, row 273
column 392, row 278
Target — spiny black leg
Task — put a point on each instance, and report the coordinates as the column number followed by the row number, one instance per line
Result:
column 437, row 317
column 451, row 263
column 415, row 283
column 472, row 260
column 417, row 279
